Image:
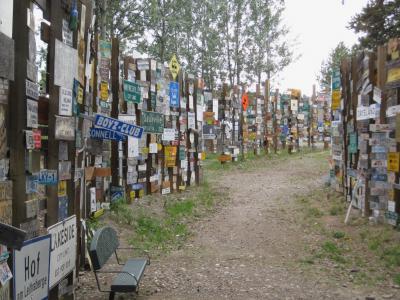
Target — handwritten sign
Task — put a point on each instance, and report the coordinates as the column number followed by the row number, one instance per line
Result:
column 63, row 249
column 118, row 126
column 32, row 113
column 132, row 92
column 65, row 128
column 168, row 134
column 152, row 122
column 31, row 269
column 32, row 89
column 65, row 102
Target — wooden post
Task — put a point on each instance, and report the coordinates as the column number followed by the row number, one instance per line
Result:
column 266, row 113
column 275, row 120
column 114, row 107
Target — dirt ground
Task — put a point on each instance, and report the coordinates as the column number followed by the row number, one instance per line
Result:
column 250, row 248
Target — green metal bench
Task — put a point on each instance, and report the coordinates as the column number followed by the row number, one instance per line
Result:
column 103, row 245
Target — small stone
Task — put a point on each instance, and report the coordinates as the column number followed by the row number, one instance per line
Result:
column 387, row 296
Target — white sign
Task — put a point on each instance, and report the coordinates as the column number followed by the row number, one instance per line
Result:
column 200, row 113
column 191, row 120
column 368, row 112
column 168, row 134
column 63, row 249
column 65, row 102
column 215, row 108
column 32, row 89
column 67, row 34
column 153, row 148
column 377, row 97
column 65, row 64
column 166, row 191
column 93, row 206
column 31, row 113
column 65, row 128
column 31, row 269
column 392, row 111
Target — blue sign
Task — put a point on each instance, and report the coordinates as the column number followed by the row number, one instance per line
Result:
column 47, row 177
column 118, row 126
column 62, row 208
column 105, row 134
column 174, row 94
column 335, row 79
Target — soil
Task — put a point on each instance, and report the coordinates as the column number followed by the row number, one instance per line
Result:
column 251, row 247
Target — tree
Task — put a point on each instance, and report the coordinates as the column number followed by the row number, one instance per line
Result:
column 269, row 50
column 334, row 60
column 379, row 21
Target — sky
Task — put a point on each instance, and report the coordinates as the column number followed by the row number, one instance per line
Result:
column 319, row 26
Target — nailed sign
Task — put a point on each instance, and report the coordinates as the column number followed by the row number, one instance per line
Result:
column 152, row 122
column 65, row 102
column 32, row 89
column 31, row 269
column 132, row 92
column 118, row 126
column 174, row 94
column 174, row 67
column 31, row 113
column 65, row 128
column 47, row 177
column 104, row 134
column 63, row 249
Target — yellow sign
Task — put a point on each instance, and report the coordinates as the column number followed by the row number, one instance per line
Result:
column 174, row 67
column 62, row 188
column 170, row 156
column 203, row 156
column 224, row 157
column 104, row 91
column 393, row 161
column 335, row 100
column 80, row 95
column 393, row 75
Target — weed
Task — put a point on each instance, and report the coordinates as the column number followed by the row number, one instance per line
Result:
column 314, row 212
column 336, row 210
column 339, row 234
column 180, row 208
column 391, row 256
column 332, row 251
column 396, row 279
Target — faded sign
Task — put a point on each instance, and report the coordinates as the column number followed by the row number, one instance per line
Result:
column 168, row 134
column 65, row 64
column 47, row 177
column 191, row 120
column 170, row 156
column 63, row 249
column 65, row 128
column 31, row 113
column 152, row 122
column 67, row 34
column 6, row 54
column 31, row 269
column 64, row 170
column 6, row 201
column 132, row 92
column 65, row 102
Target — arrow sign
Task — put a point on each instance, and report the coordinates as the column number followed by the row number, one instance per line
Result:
column 118, row 126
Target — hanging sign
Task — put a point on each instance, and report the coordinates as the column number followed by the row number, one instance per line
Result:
column 174, row 67
column 65, row 102
column 31, row 269
column 118, row 126
column 132, row 92
column 63, row 249
column 104, row 134
column 174, row 94
column 152, row 122
column 393, row 161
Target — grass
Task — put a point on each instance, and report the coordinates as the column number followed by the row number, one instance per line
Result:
column 338, row 234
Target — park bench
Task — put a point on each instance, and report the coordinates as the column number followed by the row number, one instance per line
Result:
column 103, row 245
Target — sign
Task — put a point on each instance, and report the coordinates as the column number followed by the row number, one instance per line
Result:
column 64, row 170
column 174, row 94
column 335, row 79
column 31, row 269
column 32, row 89
column 377, row 95
column 170, row 156
column 67, row 34
column 224, row 158
column 336, row 100
column 191, row 120
column 104, row 90
column 65, row 64
column 93, row 205
column 33, row 139
column 11, row 236
column 104, row 134
column 132, row 92
column 65, row 128
column 392, row 111
column 118, row 126
column 174, row 67
column 152, row 122
column 63, row 249
column 31, row 113
column 47, row 177
column 353, row 146
column 62, row 188
column 65, row 102
column 245, row 101
column 168, row 134
column 393, row 159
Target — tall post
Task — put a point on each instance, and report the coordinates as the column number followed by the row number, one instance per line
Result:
column 114, row 107
column 266, row 103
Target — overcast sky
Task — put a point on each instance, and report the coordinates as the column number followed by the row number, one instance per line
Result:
column 319, row 26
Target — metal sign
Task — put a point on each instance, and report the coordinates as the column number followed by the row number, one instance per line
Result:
column 174, row 94
column 11, row 236
column 132, row 92
column 152, row 122
column 65, row 102
column 32, row 113
column 118, row 126
column 63, row 249
column 31, row 269
column 65, row 128
column 174, row 67
column 105, row 134
column 47, row 177
column 32, row 89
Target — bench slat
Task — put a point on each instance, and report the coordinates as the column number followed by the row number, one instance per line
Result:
column 102, row 246
column 124, row 282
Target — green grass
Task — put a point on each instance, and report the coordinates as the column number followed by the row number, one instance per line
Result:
column 338, row 234
column 396, row 279
column 332, row 251
column 180, row 208
column 314, row 212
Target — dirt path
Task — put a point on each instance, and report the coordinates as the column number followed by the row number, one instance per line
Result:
column 249, row 248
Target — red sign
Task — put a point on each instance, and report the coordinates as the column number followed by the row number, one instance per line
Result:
column 37, row 138
column 245, row 101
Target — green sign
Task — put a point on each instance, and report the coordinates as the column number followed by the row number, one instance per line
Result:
column 182, row 153
column 132, row 92
column 353, row 142
column 152, row 122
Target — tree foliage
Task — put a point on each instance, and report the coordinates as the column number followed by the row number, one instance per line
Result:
column 219, row 40
column 333, row 62
column 378, row 21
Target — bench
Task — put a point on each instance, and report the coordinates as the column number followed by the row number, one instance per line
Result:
column 103, row 245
